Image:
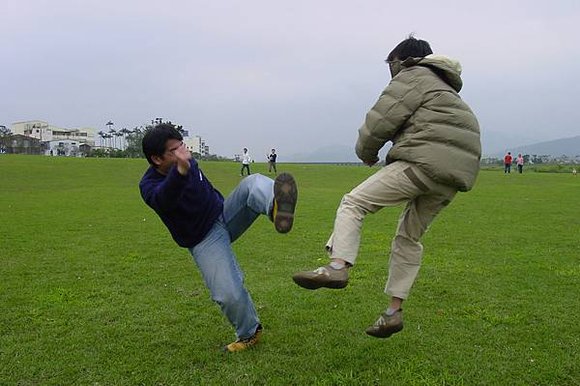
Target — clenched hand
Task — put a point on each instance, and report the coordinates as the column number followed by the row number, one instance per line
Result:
column 182, row 156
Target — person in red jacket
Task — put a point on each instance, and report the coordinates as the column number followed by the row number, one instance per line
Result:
column 507, row 163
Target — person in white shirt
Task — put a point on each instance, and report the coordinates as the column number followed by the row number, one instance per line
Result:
column 246, row 159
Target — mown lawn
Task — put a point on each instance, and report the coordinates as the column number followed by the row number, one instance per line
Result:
column 94, row 291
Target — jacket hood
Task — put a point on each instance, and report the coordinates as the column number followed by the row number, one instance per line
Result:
column 446, row 68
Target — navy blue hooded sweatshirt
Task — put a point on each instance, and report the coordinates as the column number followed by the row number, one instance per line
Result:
column 188, row 205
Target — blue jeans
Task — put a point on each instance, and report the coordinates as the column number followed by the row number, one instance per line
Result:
column 216, row 260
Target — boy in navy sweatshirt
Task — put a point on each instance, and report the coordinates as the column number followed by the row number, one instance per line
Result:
column 201, row 220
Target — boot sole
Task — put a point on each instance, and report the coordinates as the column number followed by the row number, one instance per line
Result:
column 286, row 196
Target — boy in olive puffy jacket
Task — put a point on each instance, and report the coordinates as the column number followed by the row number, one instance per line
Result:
column 435, row 153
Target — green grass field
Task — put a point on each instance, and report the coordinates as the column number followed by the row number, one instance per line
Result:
column 93, row 291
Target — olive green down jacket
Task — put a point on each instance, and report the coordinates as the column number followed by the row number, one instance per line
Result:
column 429, row 124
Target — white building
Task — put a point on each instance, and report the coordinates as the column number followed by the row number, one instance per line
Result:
column 65, row 147
column 46, row 132
column 196, row 144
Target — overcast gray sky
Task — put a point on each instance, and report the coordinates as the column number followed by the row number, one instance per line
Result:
column 294, row 75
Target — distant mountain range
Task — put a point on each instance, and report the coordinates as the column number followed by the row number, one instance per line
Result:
column 337, row 153
column 342, row 153
column 558, row 147
column 332, row 153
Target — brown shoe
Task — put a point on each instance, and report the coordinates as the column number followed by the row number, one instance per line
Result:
column 386, row 326
column 243, row 344
column 285, row 197
column 322, row 277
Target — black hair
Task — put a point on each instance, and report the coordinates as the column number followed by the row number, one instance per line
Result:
column 410, row 48
column 155, row 139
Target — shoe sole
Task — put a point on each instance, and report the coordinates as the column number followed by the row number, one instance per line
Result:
column 285, row 197
column 312, row 284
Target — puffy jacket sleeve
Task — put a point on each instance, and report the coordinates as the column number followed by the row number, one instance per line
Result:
column 396, row 104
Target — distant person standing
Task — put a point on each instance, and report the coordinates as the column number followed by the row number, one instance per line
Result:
column 520, row 163
column 507, row 163
column 246, row 159
column 272, row 161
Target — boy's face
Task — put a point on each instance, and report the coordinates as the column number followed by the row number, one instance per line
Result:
column 395, row 67
column 165, row 161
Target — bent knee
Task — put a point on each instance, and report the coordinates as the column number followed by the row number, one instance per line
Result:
column 354, row 203
column 227, row 296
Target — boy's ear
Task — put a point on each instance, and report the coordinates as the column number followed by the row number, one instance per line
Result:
column 156, row 160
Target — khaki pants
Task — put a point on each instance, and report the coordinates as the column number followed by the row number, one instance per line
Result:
column 396, row 183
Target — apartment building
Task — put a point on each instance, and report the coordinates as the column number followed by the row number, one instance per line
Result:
column 46, row 132
column 196, row 144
